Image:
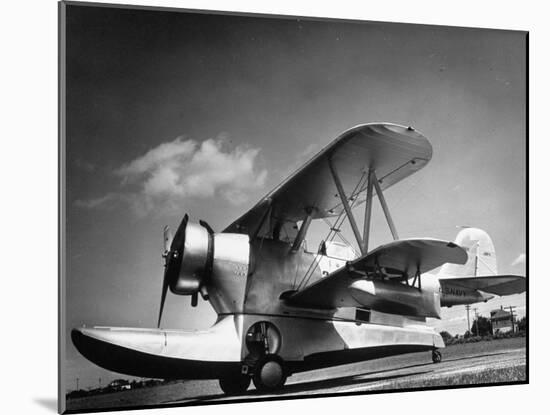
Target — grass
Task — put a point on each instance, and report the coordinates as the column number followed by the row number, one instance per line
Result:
column 486, row 377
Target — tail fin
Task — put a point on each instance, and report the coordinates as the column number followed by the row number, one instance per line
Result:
column 482, row 260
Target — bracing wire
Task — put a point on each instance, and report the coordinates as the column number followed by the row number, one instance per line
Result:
column 311, row 267
column 342, row 237
column 486, row 265
column 332, row 231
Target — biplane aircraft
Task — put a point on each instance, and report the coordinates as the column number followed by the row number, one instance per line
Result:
column 282, row 309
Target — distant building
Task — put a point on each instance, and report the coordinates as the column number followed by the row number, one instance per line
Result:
column 501, row 321
column 120, row 384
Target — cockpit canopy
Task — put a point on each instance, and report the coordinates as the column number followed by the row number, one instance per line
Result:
column 338, row 250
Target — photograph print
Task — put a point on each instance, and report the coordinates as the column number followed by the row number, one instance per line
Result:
column 260, row 207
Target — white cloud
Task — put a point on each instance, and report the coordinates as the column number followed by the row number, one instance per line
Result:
column 519, row 260
column 164, row 153
column 170, row 173
column 104, row 201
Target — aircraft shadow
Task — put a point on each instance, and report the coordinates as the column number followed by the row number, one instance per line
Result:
column 306, row 386
column 394, row 369
column 429, row 363
column 342, row 381
column 309, row 386
column 456, row 359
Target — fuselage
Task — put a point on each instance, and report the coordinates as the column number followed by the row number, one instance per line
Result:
column 245, row 288
column 458, row 295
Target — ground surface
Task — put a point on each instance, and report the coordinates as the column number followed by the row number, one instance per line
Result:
column 475, row 363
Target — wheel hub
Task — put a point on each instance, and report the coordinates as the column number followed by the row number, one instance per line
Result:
column 271, row 374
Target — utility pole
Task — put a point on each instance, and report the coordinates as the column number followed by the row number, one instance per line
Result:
column 511, row 308
column 77, row 384
column 99, row 383
column 475, row 261
column 468, row 316
column 476, row 322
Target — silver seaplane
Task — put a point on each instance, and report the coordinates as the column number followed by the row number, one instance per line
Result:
column 282, row 309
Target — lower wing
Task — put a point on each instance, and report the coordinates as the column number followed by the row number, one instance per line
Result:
column 378, row 280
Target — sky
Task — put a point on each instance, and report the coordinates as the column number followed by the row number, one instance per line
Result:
column 174, row 113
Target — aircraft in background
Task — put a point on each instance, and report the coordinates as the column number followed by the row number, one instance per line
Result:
column 282, row 309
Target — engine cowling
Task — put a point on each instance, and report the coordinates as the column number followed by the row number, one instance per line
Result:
column 196, row 257
column 200, row 261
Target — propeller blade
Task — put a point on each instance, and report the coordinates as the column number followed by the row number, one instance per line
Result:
column 163, row 295
column 167, row 237
column 179, row 237
column 173, row 259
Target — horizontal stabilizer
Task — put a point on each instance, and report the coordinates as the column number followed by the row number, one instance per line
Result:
column 494, row 284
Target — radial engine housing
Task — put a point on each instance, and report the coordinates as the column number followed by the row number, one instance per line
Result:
column 204, row 259
column 196, row 259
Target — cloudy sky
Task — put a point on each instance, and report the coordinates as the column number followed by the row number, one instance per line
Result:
column 169, row 113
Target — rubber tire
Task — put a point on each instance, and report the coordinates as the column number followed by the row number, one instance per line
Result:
column 274, row 365
column 436, row 356
column 235, row 385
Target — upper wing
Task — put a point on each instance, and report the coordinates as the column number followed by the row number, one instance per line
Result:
column 393, row 151
column 402, row 257
column 495, row 284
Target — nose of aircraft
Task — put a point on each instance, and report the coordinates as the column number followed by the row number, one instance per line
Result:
column 120, row 350
column 165, row 354
column 147, row 340
column 96, row 347
column 92, row 348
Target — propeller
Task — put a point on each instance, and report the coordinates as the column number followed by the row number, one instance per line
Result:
column 173, row 252
column 167, row 240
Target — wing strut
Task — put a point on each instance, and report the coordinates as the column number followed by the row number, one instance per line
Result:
column 368, row 212
column 363, row 242
column 303, row 230
column 347, row 208
column 417, row 277
column 385, row 207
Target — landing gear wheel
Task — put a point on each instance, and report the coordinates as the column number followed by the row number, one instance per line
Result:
column 436, row 356
column 269, row 374
column 234, row 385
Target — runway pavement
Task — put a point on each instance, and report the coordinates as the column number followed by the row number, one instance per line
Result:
column 483, row 362
column 406, row 371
